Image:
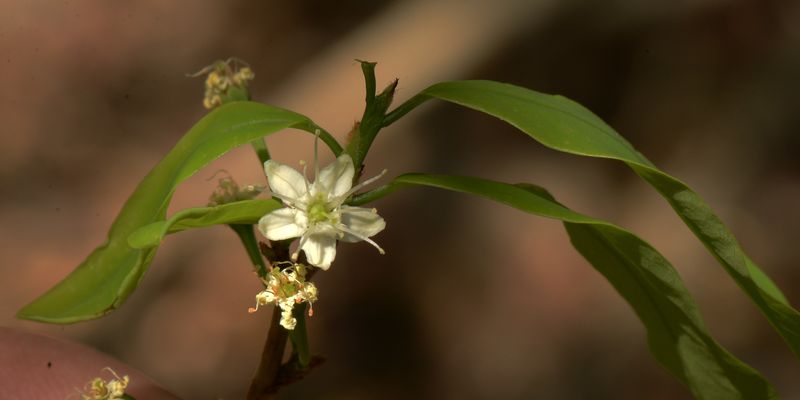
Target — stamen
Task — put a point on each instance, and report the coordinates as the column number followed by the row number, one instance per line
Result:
column 339, row 200
column 205, row 70
column 345, row 229
column 300, row 244
column 305, row 175
column 293, row 203
column 112, row 372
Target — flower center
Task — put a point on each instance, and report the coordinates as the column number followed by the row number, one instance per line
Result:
column 318, row 210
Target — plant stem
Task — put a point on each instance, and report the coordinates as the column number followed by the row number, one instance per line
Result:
column 248, row 238
column 260, row 147
column 373, row 119
column 265, row 381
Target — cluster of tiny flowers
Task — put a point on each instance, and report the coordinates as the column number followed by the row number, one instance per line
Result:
column 228, row 191
column 100, row 389
column 287, row 287
column 221, row 79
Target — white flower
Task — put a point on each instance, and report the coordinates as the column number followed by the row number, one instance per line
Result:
column 315, row 212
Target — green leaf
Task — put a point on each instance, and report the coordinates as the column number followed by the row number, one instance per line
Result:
column 565, row 125
column 676, row 333
column 112, row 271
column 240, row 212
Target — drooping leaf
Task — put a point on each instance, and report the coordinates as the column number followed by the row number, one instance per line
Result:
column 676, row 333
column 103, row 281
column 565, row 125
column 240, row 212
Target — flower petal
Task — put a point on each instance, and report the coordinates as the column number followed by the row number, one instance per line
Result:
column 284, row 180
column 320, row 249
column 283, row 223
column 363, row 221
column 337, row 177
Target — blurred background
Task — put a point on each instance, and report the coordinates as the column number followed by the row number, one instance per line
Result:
column 473, row 300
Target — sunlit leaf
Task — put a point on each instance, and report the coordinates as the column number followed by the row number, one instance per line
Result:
column 565, row 125
column 240, row 212
column 112, row 271
column 676, row 334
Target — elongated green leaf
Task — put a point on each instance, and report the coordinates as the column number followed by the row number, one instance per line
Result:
column 240, row 212
column 112, row 271
column 565, row 125
column 676, row 333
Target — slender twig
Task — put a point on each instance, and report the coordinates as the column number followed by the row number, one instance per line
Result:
column 250, row 243
column 265, row 382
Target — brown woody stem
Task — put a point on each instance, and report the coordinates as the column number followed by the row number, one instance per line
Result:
column 265, row 382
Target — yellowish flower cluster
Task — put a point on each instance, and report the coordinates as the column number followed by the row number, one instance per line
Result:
column 287, row 287
column 223, row 76
column 100, row 389
column 228, row 191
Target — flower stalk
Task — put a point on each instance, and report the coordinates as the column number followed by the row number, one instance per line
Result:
column 316, row 215
column 266, row 379
column 272, row 372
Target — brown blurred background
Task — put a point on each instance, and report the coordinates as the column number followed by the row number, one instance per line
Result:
column 473, row 300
